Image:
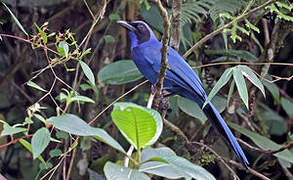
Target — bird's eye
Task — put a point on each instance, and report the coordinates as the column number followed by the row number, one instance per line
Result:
column 140, row 27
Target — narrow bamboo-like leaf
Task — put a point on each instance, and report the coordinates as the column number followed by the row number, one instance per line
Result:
column 117, row 172
column 249, row 74
column 220, row 83
column 139, row 125
column 85, row 53
column 15, row 20
column 241, row 85
column 34, row 85
column 231, row 90
column 264, row 142
column 40, row 141
column 74, row 125
column 87, row 71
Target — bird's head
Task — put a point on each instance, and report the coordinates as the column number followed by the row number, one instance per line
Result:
column 138, row 31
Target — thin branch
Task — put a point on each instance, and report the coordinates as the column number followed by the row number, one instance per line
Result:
column 269, row 151
column 216, row 32
column 253, row 172
column 176, row 24
column 116, row 100
column 164, row 50
column 218, row 157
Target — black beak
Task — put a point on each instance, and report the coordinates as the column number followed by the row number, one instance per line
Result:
column 127, row 25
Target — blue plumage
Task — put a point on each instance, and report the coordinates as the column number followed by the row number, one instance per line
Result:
column 180, row 78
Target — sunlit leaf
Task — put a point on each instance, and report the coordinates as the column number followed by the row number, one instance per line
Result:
column 139, row 125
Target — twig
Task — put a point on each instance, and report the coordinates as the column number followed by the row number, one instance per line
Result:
column 218, row 157
column 164, row 50
column 129, row 152
column 71, row 163
column 261, row 176
column 116, row 100
column 216, row 32
column 176, row 24
column 269, row 151
column 15, row 140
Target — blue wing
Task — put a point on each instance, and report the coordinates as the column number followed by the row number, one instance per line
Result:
column 179, row 72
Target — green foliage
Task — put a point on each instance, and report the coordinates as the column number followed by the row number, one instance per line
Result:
column 40, row 141
column 238, row 73
column 140, row 126
column 74, row 125
column 282, row 9
column 225, row 6
column 264, row 143
column 193, row 11
column 120, row 72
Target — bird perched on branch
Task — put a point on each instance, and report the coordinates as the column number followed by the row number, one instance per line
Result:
column 180, row 78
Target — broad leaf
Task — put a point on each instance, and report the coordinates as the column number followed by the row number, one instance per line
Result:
column 40, row 141
column 167, row 158
column 63, row 49
column 241, row 85
column 120, row 72
column 139, row 125
column 191, row 108
column 264, row 142
column 28, row 146
column 87, row 71
column 116, row 172
column 74, row 125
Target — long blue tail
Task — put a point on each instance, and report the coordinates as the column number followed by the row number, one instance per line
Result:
column 222, row 127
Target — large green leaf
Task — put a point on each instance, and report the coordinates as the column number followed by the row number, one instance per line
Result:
column 220, row 83
column 264, row 142
column 167, row 160
column 249, row 74
column 40, row 141
column 74, row 125
column 139, row 125
column 241, row 85
column 117, row 172
column 120, row 72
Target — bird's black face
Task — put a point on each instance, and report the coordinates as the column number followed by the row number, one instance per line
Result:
column 138, row 28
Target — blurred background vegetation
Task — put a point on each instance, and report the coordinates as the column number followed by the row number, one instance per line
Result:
column 265, row 36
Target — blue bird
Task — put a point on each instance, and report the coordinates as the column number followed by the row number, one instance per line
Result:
column 180, row 78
